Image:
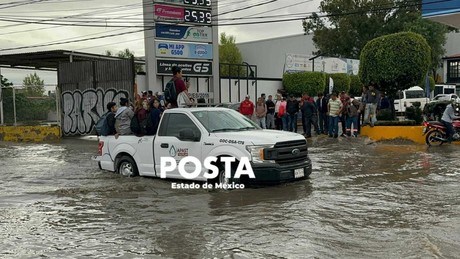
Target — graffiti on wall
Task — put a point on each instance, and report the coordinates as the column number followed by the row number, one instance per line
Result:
column 83, row 109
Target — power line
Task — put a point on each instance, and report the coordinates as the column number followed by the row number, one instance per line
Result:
column 258, row 22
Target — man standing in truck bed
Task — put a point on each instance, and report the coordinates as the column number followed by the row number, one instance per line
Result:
column 179, row 83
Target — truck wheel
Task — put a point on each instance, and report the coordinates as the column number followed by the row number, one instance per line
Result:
column 99, row 164
column 127, row 167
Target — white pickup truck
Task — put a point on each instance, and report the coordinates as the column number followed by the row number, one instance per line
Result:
column 275, row 156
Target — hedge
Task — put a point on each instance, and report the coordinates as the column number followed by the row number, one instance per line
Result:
column 307, row 82
column 341, row 82
column 356, row 86
column 395, row 61
column 432, row 83
column 396, row 123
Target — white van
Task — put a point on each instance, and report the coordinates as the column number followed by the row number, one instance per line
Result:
column 407, row 97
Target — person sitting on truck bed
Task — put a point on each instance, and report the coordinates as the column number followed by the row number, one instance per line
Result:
column 123, row 118
column 112, row 107
column 155, row 115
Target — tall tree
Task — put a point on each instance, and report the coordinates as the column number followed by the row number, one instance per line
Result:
column 349, row 24
column 5, row 81
column 230, row 54
column 126, row 53
column 395, row 62
column 435, row 35
column 34, row 85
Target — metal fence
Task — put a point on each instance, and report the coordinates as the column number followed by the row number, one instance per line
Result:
column 21, row 109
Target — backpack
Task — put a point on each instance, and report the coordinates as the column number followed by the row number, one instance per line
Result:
column 282, row 111
column 147, row 125
column 170, row 92
column 102, row 127
column 135, row 127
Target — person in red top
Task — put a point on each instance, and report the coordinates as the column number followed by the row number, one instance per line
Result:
column 179, row 83
column 247, row 108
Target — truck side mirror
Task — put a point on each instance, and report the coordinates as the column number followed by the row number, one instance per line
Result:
column 187, row 134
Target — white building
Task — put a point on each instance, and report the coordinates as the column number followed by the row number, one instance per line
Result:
column 269, row 56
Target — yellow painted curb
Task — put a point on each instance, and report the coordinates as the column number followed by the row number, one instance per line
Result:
column 413, row 133
column 29, row 133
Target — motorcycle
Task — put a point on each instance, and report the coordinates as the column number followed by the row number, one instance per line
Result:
column 435, row 132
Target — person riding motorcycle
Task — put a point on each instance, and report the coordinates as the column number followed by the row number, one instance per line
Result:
column 447, row 118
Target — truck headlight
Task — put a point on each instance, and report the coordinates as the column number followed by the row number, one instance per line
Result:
column 257, row 153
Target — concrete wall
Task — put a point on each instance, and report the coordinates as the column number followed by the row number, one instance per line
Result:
column 30, row 133
column 229, row 89
column 269, row 55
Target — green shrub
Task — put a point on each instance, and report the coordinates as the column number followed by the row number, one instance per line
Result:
column 396, row 123
column 432, row 83
column 414, row 113
column 434, row 110
column 311, row 83
column 356, row 86
column 385, row 115
column 395, row 61
column 341, row 82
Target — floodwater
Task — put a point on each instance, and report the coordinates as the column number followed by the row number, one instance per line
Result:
column 363, row 200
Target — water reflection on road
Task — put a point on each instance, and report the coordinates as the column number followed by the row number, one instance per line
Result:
column 362, row 201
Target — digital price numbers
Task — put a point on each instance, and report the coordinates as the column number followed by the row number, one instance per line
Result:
column 198, row 2
column 197, row 16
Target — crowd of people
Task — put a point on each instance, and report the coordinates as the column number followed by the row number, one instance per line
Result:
column 322, row 113
column 143, row 117
column 282, row 112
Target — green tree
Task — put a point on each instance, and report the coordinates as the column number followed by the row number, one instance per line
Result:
column 5, row 81
column 230, row 54
column 126, row 53
column 395, row 62
column 307, row 82
column 347, row 26
column 341, row 82
column 356, row 86
column 34, row 85
column 435, row 35
column 432, row 83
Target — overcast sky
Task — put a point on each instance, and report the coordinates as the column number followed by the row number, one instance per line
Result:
column 16, row 30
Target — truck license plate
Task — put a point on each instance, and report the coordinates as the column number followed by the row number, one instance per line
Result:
column 299, row 173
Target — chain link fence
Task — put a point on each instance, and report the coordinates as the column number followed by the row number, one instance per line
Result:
column 20, row 109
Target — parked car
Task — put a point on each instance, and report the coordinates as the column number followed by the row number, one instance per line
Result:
column 407, row 97
column 444, row 97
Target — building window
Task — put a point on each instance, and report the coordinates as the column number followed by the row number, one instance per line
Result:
column 454, row 69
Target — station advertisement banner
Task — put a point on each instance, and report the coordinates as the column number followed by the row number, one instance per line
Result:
column 189, row 68
column 183, row 50
column 186, row 33
column 168, row 13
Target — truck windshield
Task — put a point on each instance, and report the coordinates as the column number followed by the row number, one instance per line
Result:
column 415, row 94
column 224, row 120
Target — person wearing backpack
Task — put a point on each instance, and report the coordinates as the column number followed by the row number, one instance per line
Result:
column 174, row 87
column 105, row 126
column 112, row 107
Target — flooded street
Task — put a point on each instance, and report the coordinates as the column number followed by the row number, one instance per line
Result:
column 362, row 201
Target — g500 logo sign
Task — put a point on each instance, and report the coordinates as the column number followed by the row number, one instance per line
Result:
column 201, row 67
